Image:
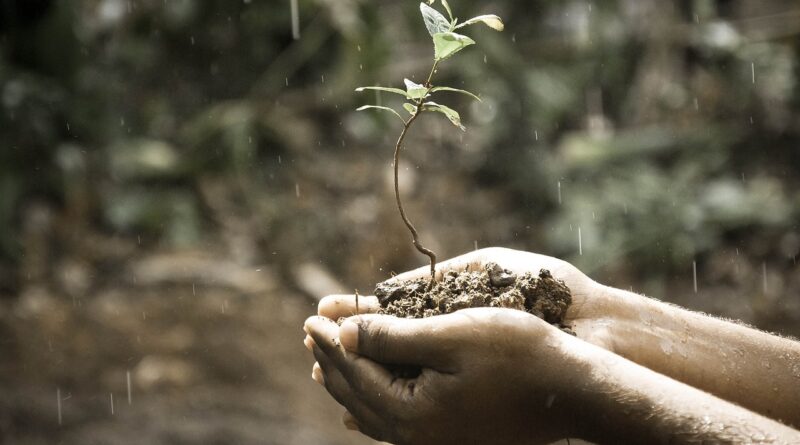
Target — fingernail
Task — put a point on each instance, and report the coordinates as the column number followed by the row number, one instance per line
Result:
column 350, row 425
column 309, row 342
column 316, row 374
column 348, row 335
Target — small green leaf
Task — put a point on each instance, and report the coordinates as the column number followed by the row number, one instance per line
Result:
column 447, row 8
column 456, row 90
column 377, row 107
column 448, row 43
column 490, row 20
column 434, row 20
column 447, row 111
column 389, row 90
column 415, row 90
column 411, row 108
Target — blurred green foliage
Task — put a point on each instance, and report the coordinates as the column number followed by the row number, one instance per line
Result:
column 663, row 130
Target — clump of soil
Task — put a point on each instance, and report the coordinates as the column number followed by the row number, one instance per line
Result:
column 542, row 295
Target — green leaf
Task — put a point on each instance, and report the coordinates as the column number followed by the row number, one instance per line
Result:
column 447, row 8
column 377, row 107
column 490, row 20
column 448, row 43
column 389, row 90
column 456, row 90
column 415, row 90
column 434, row 20
column 411, row 108
column 447, row 111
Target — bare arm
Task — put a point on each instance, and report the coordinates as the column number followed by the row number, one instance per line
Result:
column 623, row 402
column 737, row 363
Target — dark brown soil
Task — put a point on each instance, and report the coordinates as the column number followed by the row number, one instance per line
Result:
column 542, row 295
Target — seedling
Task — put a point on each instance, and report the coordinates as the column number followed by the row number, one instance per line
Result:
column 446, row 43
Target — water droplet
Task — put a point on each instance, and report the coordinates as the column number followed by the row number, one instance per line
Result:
column 559, row 192
column 295, row 19
column 58, row 404
column 128, row 379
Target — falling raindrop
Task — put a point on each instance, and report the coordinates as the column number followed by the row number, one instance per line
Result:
column 580, row 242
column 58, row 404
column 694, row 275
column 295, row 19
column 67, row 126
column 297, row 189
column 111, row 397
column 764, row 274
column 753, row 71
column 128, row 381
column 696, row 104
column 191, row 39
column 536, row 134
column 476, row 244
column 559, row 192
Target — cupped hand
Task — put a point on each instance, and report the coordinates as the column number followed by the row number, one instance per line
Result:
column 482, row 375
column 583, row 315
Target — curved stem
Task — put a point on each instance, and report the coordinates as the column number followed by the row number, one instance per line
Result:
column 414, row 235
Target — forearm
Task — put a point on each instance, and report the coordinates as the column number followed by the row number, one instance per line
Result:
column 754, row 369
column 623, row 402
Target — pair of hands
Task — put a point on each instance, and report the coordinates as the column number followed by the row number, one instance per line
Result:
column 487, row 375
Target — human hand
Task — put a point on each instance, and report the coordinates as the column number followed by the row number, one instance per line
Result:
column 484, row 375
column 590, row 304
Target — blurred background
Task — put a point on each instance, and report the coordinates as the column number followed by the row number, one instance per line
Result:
column 180, row 180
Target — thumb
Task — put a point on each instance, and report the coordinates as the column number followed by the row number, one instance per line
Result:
column 398, row 341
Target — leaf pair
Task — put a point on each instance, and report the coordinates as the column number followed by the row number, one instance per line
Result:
column 416, row 92
column 446, row 42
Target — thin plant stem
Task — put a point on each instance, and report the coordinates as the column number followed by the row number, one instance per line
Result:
column 414, row 235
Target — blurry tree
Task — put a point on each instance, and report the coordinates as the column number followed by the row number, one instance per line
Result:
column 663, row 130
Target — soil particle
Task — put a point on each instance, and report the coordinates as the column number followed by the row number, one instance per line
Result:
column 493, row 286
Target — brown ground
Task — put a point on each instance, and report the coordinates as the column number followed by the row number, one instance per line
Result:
column 213, row 350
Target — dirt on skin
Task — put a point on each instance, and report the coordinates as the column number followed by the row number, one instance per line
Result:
column 542, row 295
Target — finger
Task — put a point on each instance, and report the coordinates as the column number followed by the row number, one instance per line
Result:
column 349, row 421
column 385, row 339
column 324, row 333
column 316, row 374
column 308, row 342
column 340, row 388
column 369, row 381
column 337, row 306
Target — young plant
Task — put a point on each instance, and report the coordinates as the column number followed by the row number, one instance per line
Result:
column 446, row 43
